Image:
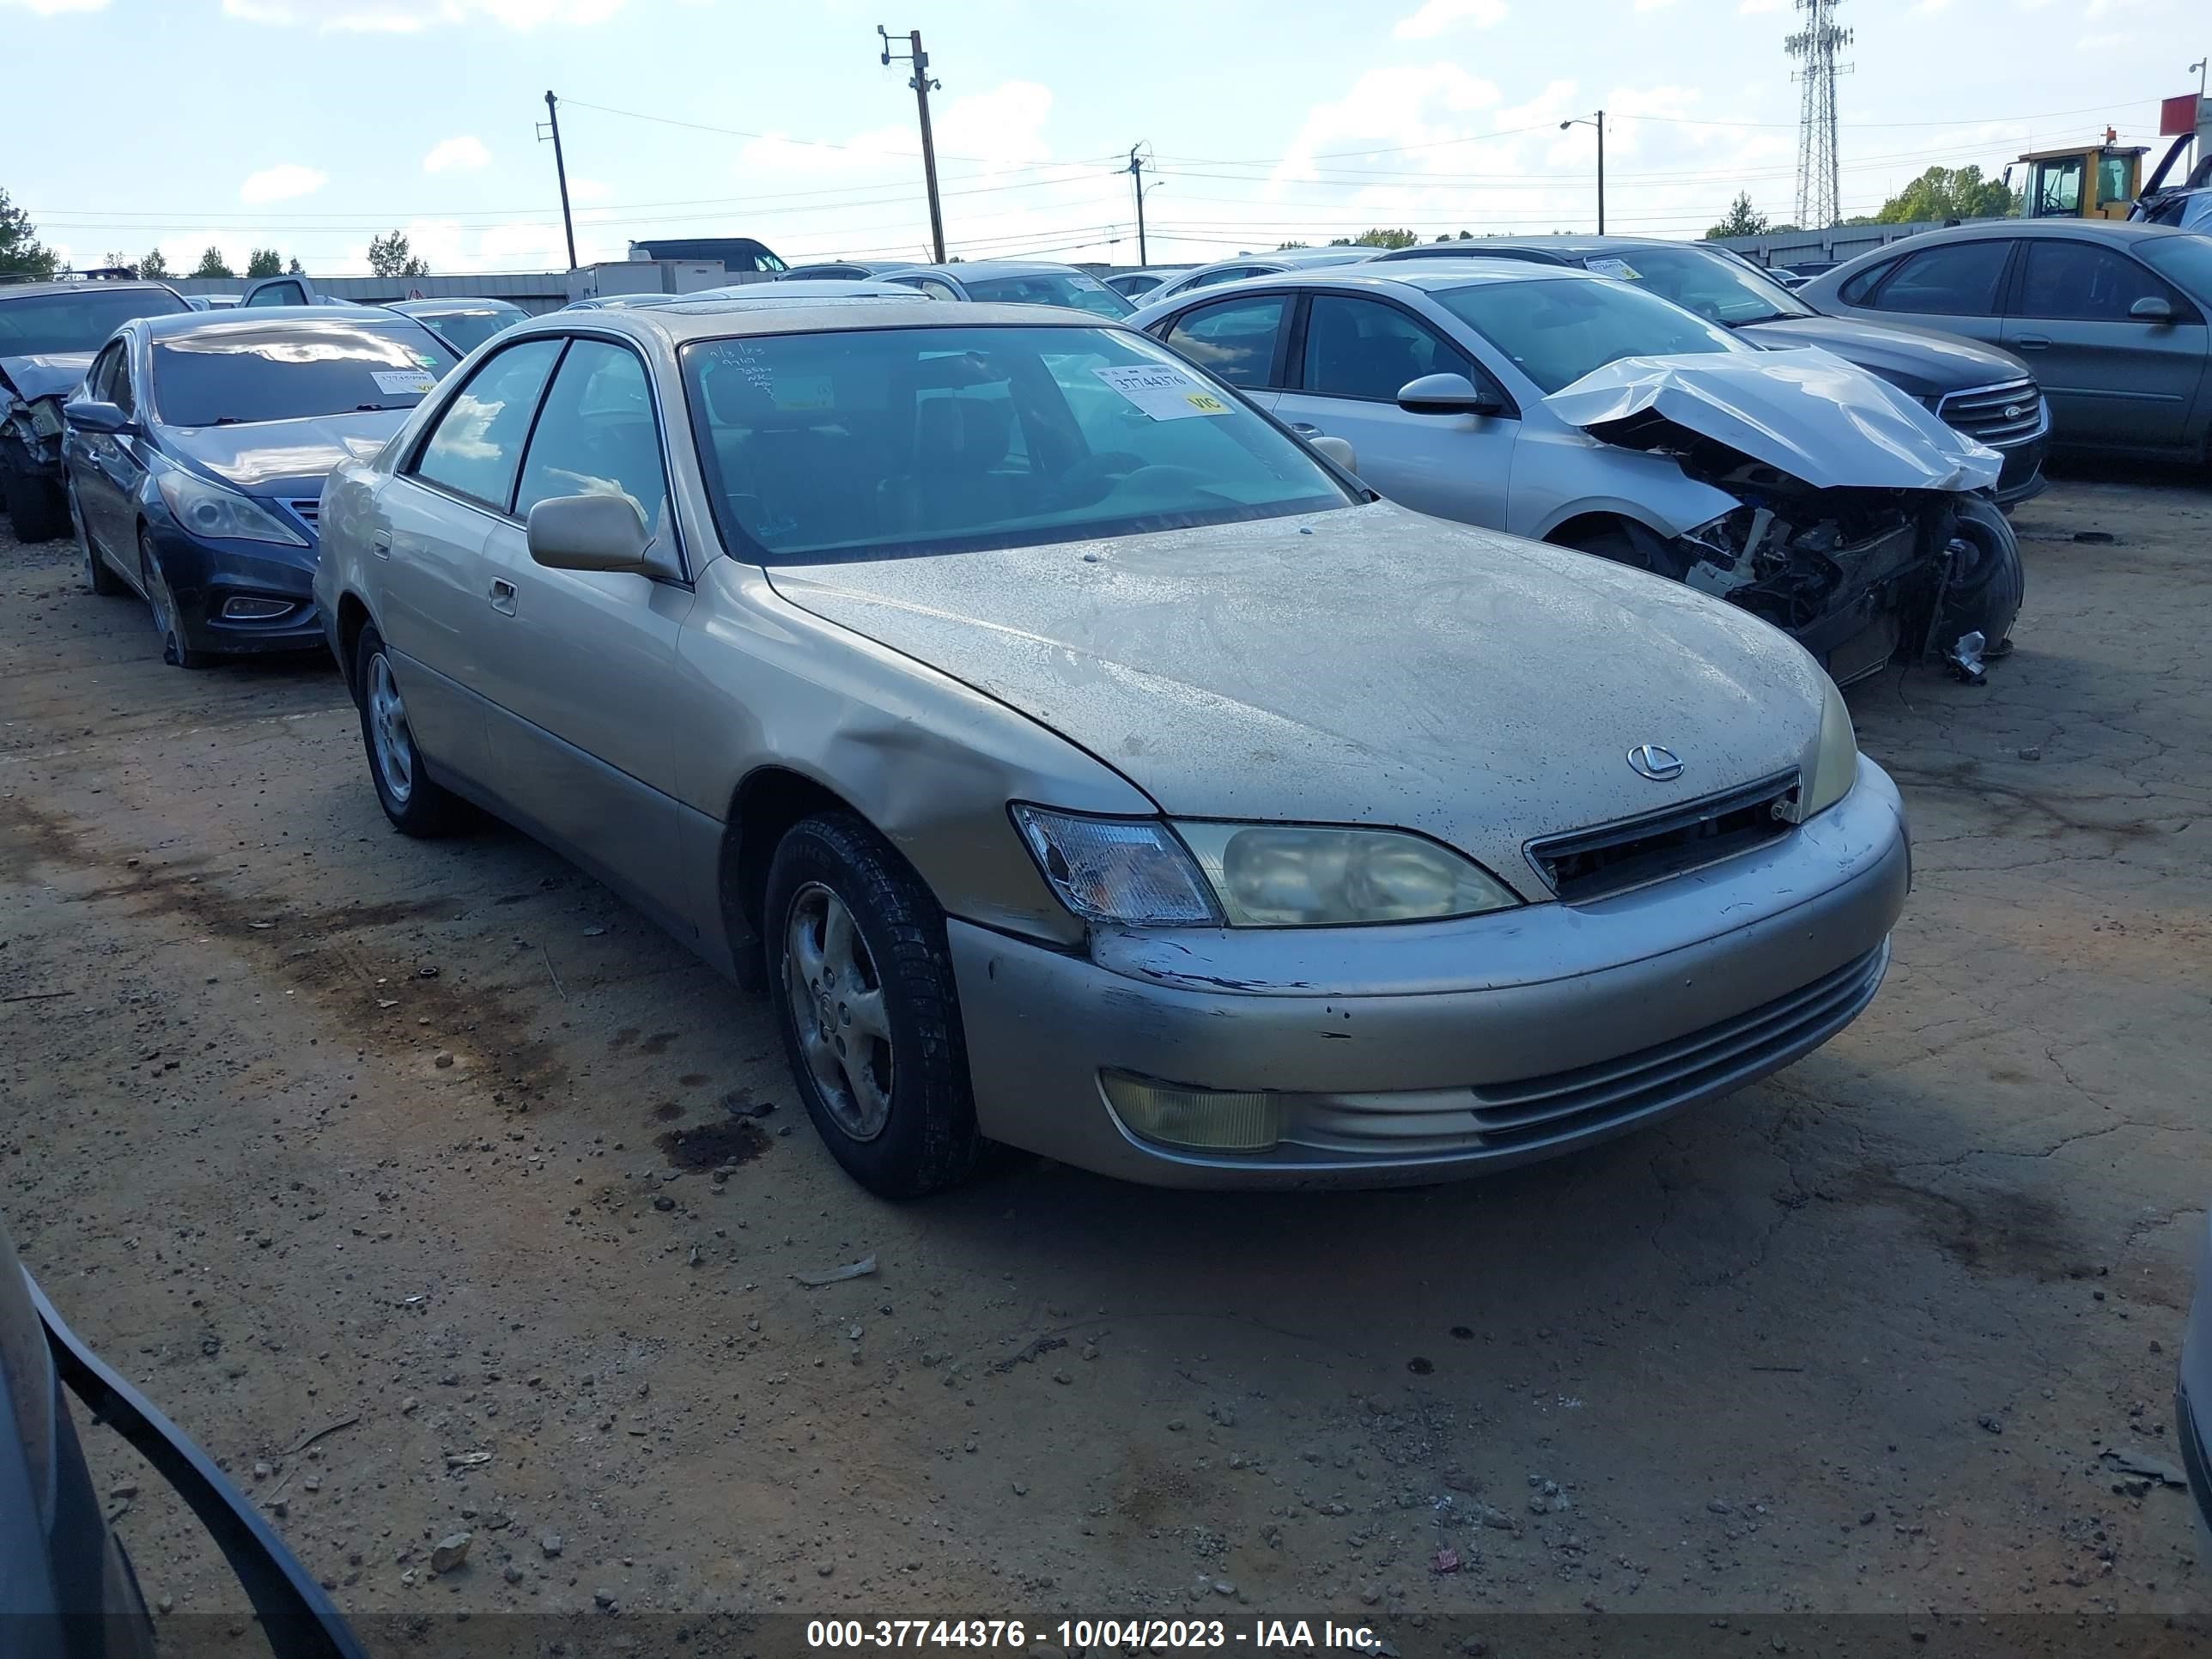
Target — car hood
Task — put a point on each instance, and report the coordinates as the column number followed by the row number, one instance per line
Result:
column 1919, row 361
column 1805, row 411
column 283, row 458
column 1363, row 665
column 45, row 374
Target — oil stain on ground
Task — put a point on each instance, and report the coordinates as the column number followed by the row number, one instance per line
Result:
column 710, row 1145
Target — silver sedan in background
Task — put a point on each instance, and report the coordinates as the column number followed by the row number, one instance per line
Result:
column 1081, row 761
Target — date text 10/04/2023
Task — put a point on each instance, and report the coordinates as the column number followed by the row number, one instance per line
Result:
column 1292, row 1635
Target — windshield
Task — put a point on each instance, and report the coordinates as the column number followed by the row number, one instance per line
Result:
column 878, row 442
column 1556, row 330
column 1050, row 287
column 1713, row 286
column 2184, row 260
column 467, row 330
column 76, row 322
column 227, row 374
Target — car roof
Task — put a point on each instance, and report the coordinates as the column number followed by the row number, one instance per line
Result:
column 243, row 317
column 716, row 319
column 104, row 285
column 814, row 291
column 1434, row 276
column 2119, row 230
column 451, row 304
column 965, row 268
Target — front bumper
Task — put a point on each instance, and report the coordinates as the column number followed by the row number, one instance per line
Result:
column 205, row 575
column 2022, row 478
column 30, row 454
column 1426, row 1051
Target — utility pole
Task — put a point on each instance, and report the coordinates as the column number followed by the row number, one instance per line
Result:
column 923, row 86
column 1599, row 123
column 552, row 128
column 1137, row 178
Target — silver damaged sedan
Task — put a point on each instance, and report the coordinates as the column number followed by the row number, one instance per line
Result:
column 1079, row 761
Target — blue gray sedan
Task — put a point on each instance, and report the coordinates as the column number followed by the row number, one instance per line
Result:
column 195, row 456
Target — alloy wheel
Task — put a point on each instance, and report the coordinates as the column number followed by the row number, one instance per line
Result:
column 389, row 734
column 836, row 1000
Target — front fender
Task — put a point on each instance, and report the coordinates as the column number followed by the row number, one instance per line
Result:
column 1564, row 474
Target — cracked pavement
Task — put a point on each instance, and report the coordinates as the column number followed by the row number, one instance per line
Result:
column 304, row 1121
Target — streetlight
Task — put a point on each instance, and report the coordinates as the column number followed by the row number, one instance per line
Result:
column 1599, row 123
column 2199, row 67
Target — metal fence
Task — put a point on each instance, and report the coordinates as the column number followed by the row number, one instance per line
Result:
column 1787, row 248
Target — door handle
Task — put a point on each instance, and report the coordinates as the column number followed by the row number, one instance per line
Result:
column 2032, row 342
column 502, row 596
column 1306, row 428
column 379, row 543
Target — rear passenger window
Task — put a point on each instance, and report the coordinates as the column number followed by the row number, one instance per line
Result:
column 1234, row 339
column 477, row 446
column 1856, row 291
column 1959, row 279
column 597, row 435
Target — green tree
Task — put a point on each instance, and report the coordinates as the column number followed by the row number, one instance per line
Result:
column 1385, row 239
column 1950, row 194
column 1741, row 220
column 154, row 265
column 264, row 262
column 211, row 264
column 21, row 253
column 1466, row 236
column 393, row 256
column 295, row 269
column 1284, row 247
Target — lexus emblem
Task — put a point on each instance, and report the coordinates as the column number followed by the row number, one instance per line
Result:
column 2013, row 411
column 1649, row 761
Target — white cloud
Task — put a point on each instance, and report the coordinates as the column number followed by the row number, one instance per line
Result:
column 464, row 153
column 403, row 16
column 51, row 7
column 584, row 192
column 1927, row 8
column 1653, row 5
column 281, row 183
column 1405, row 107
column 1439, row 15
column 1755, row 8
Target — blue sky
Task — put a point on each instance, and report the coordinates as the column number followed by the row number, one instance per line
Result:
column 312, row 124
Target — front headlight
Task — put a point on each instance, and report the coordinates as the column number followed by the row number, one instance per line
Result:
column 208, row 509
column 1137, row 873
column 1292, row 875
column 46, row 418
column 1835, row 762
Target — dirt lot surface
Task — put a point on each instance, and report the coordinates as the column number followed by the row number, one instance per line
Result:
column 307, row 1124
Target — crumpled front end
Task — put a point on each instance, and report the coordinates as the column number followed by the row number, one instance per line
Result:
column 1862, row 532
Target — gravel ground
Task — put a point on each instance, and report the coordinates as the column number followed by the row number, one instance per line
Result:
column 441, row 1154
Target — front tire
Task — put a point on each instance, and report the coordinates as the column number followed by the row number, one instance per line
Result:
column 861, row 978
column 1989, row 586
column 417, row 805
column 167, row 622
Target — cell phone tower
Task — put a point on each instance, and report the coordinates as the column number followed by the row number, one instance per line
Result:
column 1820, row 194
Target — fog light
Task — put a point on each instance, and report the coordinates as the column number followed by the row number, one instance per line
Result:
column 254, row 609
column 1205, row 1120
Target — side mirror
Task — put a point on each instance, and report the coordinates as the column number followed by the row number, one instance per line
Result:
column 1446, row 394
column 2151, row 308
column 1338, row 450
column 595, row 533
column 91, row 415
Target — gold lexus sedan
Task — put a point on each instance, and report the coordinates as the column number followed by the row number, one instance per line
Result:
column 1081, row 761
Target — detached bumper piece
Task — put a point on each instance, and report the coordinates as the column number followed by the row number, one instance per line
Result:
column 298, row 1618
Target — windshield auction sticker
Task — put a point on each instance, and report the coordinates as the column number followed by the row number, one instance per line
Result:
column 1163, row 394
column 389, row 381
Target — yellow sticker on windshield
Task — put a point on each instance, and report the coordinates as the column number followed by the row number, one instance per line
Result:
column 1206, row 403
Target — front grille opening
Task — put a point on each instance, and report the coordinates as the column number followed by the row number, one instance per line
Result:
column 1592, row 864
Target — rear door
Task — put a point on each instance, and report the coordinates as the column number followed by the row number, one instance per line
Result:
column 433, row 599
column 1954, row 286
column 579, row 666
column 1350, row 355
column 2112, row 380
